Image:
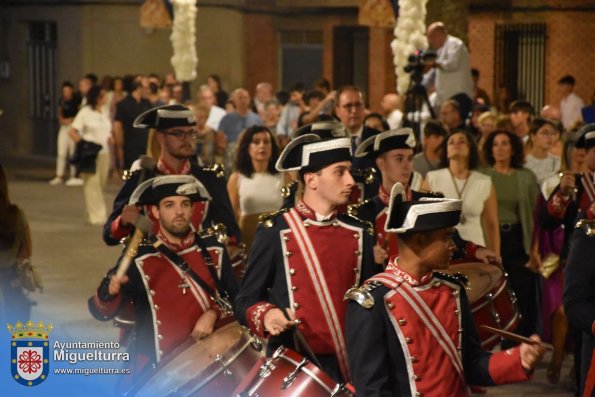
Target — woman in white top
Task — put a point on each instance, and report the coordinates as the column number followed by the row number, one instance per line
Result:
column 93, row 124
column 543, row 134
column 255, row 185
column 479, row 218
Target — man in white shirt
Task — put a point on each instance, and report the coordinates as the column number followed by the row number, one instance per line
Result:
column 450, row 72
column 571, row 104
column 215, row 112
column 390, row 108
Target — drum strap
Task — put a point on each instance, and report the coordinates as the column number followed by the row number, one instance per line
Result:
column 315, row 270
column 219, row 295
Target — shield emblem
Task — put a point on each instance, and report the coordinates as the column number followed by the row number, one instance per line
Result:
column 30, row 362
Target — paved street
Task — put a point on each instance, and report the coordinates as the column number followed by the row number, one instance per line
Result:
column 72, row 259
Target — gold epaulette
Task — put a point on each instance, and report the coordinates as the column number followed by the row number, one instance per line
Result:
column 362, row 294
column 353, row 209
column 588, row 225
column 369, row 225
column 267, row 221
column 367, row 174
column 126, row 175
column 218, row 169
column 286, row 190
column 219, row 231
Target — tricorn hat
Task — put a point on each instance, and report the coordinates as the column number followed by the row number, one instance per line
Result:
column 313, row 152
column 325, row 129
column 586, row 137
column 164, row 117
column 423, row 215
column 153, row 190
column 374, row 146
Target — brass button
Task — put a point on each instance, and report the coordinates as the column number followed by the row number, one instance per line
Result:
column 292, row 271
column 294, row 288
column 402, row 322
column 155, row 307
column 288, row 253
column 390, row 305
column 356, row 235
column 414, row 359
column 147, row 277
column 152, row 292
column 160, row 337
column 358, row 253
column 436, row 284
column 296, row 305
column 335, row 224
column 409, row 340
column 158, row 322
column 416, row 378
column 455, row 293
column 457, row 311
column 285, row 238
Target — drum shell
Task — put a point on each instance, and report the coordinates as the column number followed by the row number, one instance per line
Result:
column 268, row 380
column 214, row 366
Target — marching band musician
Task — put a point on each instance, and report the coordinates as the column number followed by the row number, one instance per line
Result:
column 410, row 330
column 579, row 297
column 305, row 258
column 176, row 128
column 393, row 153
column 576, row 192
column 177, row 291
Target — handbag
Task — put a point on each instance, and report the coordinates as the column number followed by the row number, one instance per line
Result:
column 28, row 276
column 549, row 265
column 85, row 156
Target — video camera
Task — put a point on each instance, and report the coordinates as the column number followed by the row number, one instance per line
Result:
column 415, row 67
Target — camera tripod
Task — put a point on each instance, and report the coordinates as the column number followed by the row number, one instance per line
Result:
column 415, row 99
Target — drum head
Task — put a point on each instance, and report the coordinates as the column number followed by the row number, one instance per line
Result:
column 481, row 278
column 191, row 363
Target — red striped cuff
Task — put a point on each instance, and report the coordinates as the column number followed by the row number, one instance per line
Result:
column 255, row 317
column 117, row 230
column 556, row 205
column 505, row 366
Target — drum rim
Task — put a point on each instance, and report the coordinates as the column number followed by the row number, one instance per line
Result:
column 507, row 327
column 485, row 301
column 224, row 365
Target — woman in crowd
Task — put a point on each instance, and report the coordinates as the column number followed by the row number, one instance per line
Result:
column 214, row 82
column 255, row 185
column 93, row 125
column 459, row 180
column 543, row 134
column 486, row 125
column 15, row 254
column 516, row 190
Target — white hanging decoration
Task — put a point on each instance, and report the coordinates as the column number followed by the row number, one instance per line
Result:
column 183, row 39
column 410, row 35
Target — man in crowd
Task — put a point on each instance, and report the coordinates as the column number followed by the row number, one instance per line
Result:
column 175, row 125
column 571, row 104
column 207, row 97
column 288, row 122
column 232, row 124
column 264, row 92
column 390, row 109
column 450, row 72
column 131, row 142
column 180, row 286
column 410, row 330
column 450, row 115
column 296, row 276
column 521, row 116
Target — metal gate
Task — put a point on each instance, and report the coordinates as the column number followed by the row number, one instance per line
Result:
column 43, row 95
column 520, row 61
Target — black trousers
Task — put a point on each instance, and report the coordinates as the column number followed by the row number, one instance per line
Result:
column 523, row 282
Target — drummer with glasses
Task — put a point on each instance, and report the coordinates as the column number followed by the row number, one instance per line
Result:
column 409, row 330
column 180, row 286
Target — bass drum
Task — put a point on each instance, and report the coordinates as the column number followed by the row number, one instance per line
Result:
column 492, row 302
column 289, row 374
column 213, row 366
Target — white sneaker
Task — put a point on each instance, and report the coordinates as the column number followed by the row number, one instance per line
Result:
column 74, row 182
column 56, row 181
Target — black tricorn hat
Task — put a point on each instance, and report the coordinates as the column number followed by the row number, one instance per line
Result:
column 164, row 117
column 586, row 137
column 374, row 146
column 419, row 216
column 313, row 152
column 325, row 129
column 153, row 190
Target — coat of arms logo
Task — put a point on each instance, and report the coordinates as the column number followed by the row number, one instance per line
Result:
column 30, row 358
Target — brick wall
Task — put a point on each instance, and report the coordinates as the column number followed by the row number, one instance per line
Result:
column 380, row 67
column 261, row 51
column 569, row 49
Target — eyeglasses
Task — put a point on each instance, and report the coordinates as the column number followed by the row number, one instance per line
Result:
column 182, row 134
column 356, row 106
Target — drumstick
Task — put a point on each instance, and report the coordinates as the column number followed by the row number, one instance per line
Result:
column 516, row 337
column 298, row 335
column 142, row 227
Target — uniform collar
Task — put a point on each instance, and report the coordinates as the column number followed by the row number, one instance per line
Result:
column 166, row 169
column 186, row 242
column 309, row 213
column 394, row 269
column 384, row 196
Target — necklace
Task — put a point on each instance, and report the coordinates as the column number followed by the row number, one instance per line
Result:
column 459, row 192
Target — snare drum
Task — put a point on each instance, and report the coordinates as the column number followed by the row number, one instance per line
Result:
column 289, row 374
column 492, row 302
column 213, row 366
